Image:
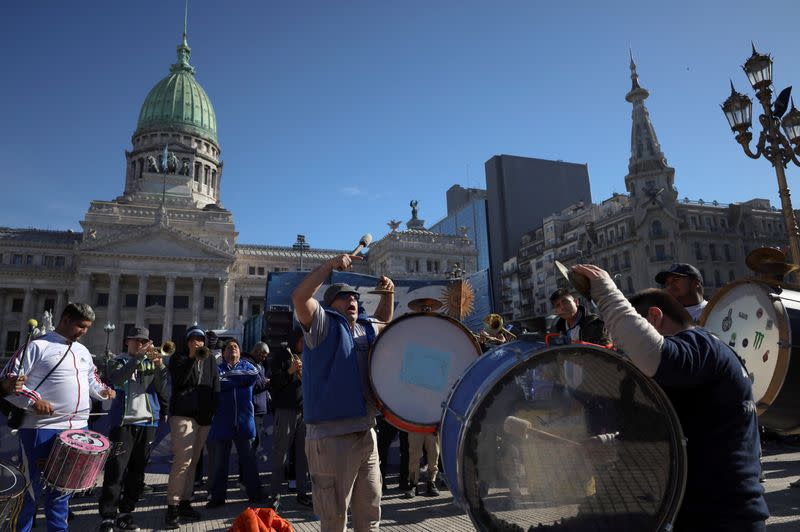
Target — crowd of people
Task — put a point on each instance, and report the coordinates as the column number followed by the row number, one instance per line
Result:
column 317, row 387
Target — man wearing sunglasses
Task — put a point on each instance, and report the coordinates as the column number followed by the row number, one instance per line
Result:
column 338, row 405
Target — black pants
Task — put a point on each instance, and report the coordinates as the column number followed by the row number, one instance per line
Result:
column 386, row 435
column 125, row 469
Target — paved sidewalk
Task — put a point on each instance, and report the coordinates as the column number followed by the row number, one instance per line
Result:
column 430, row 514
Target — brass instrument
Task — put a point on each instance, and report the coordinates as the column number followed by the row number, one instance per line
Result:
column 160, row 352
column 296, row 359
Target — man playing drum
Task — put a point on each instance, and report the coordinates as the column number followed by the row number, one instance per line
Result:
column 338, row 405
column 712, row 396
column 60, row 379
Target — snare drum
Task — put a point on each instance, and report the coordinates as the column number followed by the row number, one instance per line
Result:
column 519, row 448
column 12, row 494
column 413, row 364
column 76, row 460
column 758, row 321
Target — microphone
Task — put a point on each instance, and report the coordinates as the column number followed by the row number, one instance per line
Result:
column 365, row 241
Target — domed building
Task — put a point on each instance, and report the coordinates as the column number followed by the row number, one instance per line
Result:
column 164, row 253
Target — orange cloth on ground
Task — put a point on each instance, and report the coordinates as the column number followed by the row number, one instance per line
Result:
column 261, row 520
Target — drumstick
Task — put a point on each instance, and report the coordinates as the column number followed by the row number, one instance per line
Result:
column 79, row 414
column 520, row 427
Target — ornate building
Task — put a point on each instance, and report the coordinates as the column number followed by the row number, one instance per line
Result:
column 636, row 235
column 164, row 254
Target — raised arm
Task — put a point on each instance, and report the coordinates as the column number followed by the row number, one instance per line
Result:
column 303, row 296
column 385, row 308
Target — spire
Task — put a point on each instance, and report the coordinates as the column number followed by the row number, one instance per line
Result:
column 646, row 152
column 184, row 52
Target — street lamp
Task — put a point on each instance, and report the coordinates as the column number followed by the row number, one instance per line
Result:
column 772, row 144
column 109, row 328
column 301, row 245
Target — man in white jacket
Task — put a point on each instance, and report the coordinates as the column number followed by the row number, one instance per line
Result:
column 60, row 378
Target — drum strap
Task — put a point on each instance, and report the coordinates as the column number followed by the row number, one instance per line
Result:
column 54, row 367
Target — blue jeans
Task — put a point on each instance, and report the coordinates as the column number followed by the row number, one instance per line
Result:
column 35, row 446
column 221, row 451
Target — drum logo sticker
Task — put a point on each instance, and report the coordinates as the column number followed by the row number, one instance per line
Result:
column 759, row 338
column 743, row 315
column 732, row 342
column 727, row 321
column 759, row 313
column 766, row 356
column 425, row 367
column 744, row 342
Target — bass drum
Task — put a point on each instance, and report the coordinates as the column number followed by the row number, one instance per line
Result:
column 758, row 321
column 414, row 363
column 568, row 438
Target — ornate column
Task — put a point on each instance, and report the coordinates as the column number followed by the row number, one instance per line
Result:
column 140, row 301
column 168, row 308
column 197, row 293
column 27, row 303
column 223, row 303
column 113, row 312
column 82, row 295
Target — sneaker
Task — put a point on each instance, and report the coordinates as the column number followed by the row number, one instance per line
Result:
column 126, row 522
column 417, row 491
column 433, row 491
column 172, row 518
column 304, row 499
column 214, row 504
column 185, row 510
column 107, row 525
column 147, row 488
column 408, row 494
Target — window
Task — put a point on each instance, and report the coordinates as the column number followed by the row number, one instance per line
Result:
column 251, row 270
column 731, row 276
column 727, row 250
column 260, row 270
column 255, row 309
column 712, row 250
column 48, row 261
column 155, row 299
column 16, row 306
column 698, row 251
column 717, row 278
column 180, row 302
column 12, row 341
column 615, row 260
column 102, row 299
column 630, row 284
column 16, row 259
column 208, row 302
column 131, row 300
column 60, row 261
column 433, row 266
column 627, row 260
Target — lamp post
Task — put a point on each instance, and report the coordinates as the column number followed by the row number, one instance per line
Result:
column 772, row 144
column 109, row 328
column 301, row 245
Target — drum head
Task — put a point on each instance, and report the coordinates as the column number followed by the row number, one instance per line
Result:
column 572, row 438
column 12, row 481
column 85, row 440
column 413, row 365
column 752, row 320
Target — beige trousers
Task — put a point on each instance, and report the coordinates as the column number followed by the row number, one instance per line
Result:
column 188, row 439
column 345, row 473
column 416, row 441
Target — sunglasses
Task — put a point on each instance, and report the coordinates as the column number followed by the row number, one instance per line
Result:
column 348, row 295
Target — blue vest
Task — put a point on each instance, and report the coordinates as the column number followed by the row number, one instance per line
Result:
column 331, row 379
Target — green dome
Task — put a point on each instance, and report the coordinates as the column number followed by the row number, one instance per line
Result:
column 178, row 102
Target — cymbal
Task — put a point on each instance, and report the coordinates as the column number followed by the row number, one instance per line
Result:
column 425, row 304
column 768, row 260
column 578, row 282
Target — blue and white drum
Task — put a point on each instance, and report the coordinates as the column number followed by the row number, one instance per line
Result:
column 570, row 438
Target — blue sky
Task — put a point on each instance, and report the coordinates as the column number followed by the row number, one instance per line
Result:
column 333, row 115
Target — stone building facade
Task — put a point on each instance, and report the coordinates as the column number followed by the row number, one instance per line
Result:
column 163, row 254
column 638, row 234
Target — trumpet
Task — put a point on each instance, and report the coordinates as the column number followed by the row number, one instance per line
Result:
column 164, row 351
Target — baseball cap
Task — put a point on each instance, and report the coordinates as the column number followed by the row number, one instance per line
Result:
column 138, row 333
column 194, row 330
column 680, row 269
column 561, row 292
column 336, row 289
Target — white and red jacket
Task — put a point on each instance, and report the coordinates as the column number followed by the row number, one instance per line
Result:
column 68, row 388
